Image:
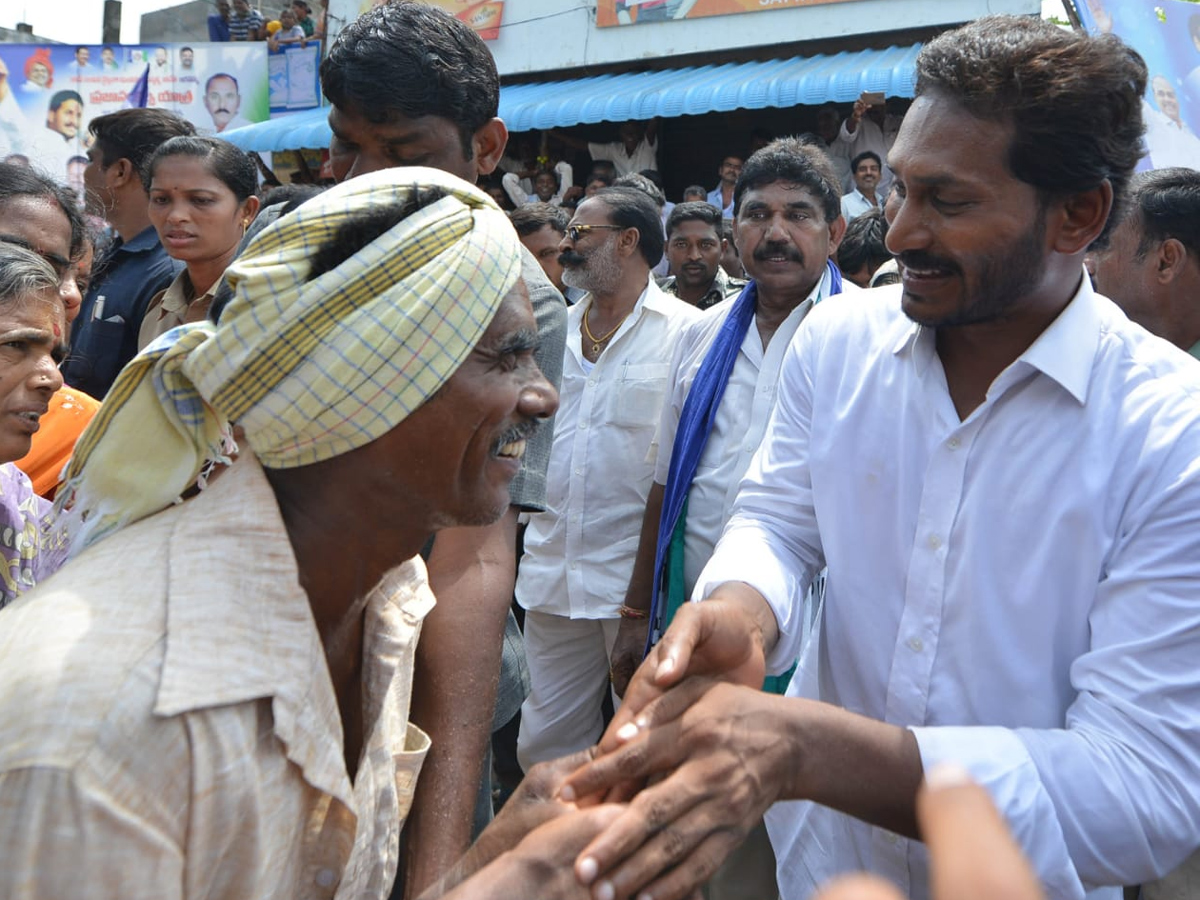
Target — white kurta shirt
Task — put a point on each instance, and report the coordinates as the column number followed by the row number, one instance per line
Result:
column 1021, row 589
column 738, row 427
column 579, row 552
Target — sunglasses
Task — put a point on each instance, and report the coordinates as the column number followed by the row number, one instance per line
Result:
column 574, row 231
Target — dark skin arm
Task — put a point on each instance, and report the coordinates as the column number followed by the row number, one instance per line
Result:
column 630, row 645
column 727, row 751
column 471, row 572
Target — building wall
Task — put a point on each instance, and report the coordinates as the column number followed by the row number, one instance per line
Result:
column 185, row 23
column 544, row 35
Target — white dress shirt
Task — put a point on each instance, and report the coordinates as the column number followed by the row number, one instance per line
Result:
column 1019, row 588
column 644, row 155
column 579, row 552
column 739, row 425
column 717, row 199
column 854, row 204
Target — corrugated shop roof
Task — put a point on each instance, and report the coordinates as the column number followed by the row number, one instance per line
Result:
column 643, row 95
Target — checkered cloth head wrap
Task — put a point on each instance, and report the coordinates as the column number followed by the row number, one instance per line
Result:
column 309, row 369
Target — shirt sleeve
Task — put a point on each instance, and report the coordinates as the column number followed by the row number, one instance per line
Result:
column 672, row 408
column 771, row 541
column 64, row 839
column 1113, row 796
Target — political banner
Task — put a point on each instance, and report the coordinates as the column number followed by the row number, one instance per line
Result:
column 1167, row 35
column 639, row 12
column 50, row 94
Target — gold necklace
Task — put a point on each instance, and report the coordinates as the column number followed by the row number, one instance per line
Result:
column 597, row 341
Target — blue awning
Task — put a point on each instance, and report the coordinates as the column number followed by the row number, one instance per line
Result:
column 801, row 81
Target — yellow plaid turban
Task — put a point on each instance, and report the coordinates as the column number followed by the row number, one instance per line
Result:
column 308, row 369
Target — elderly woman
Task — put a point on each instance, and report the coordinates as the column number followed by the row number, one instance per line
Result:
column 32, row 328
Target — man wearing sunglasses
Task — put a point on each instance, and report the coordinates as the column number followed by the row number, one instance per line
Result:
column 579, row 552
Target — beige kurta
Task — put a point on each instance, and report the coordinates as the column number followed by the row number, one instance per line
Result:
column 168, row 727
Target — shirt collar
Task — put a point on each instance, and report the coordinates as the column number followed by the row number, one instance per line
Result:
column 1065, row 351
column 146, row 239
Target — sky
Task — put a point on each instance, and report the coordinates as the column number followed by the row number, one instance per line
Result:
column 79, row 21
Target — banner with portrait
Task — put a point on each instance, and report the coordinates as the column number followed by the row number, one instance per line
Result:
column 50, row 94
column 638, row 12
column 1167, row 35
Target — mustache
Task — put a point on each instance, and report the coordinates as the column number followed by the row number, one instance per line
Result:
column 778, row 248
column 571, row 258
column 519, row 432
column 917, row 259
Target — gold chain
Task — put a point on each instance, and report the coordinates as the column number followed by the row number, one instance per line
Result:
column 597, row 341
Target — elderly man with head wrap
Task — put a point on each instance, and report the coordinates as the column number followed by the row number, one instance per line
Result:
column 210, row 699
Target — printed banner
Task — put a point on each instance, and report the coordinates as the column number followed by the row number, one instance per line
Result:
column 50, row 94
column 1167, row 34
column 483, row 17
column 295, row 82
column 637, row 12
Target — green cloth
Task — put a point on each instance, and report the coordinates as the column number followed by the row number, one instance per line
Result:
column 774, row 684
column 1195, row 351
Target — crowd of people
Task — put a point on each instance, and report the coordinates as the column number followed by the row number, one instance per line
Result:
column 842, row 517
column 295, row 24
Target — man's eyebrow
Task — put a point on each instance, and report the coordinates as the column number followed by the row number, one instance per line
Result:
column 520, row 341
column 60, row 263
column 30, row 335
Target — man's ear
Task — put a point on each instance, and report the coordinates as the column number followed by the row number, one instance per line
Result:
column 1079, row 219
column 837, row 230
column 122, row 172
column 489, row 142
column 1171, row 261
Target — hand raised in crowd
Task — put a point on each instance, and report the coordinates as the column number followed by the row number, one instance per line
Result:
column 972, row 855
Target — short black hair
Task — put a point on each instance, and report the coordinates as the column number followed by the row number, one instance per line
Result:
column 61, row 97
column 213, row 78
column 694, row 211
column 533, row 217
column 630, row 207
column 695, row 189
column 863, row 243
column 18, row 181
column 1074, row 100
column 227, row 163
column 641, row 183
column 791, row 160
column 603, row 177
column 866, row 154
column 134, row 134
column 1167, row 205
column 414, row 60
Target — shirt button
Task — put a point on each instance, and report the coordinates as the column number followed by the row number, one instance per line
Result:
column 326, row 878
column 934, row 540
column 916, row 645
column 583, row 426
column 579, row 471
column 891, row 838
column 952, row 443
column 592, row 383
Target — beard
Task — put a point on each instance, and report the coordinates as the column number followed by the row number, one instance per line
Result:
column 597, row 272
column 1005, row 276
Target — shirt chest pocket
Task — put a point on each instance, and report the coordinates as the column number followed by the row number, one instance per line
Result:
column 637, row 396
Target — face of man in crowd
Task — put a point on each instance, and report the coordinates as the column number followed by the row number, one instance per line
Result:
column 470, row 436
column 107, row 56
column 39, row 74
column 360, row 146
column 241, row 7
column 187, row 58
column 866, row 176
column 1165, row 98
column 82, row 55
column 969, row 236
column 731, row 168
column 222, row 101
column 545, row 186
column 1125, row 279
column 543, row 244
column 694, row 253
column 66, row 119
column 631, row 135
column 590, row 263
column 783, row 237
column 593, row 186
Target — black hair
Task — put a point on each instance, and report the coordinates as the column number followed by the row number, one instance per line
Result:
column 654, row 177
column 866, row 154
column 533, row 217
column 863, row 242
column 630, row 207
column 414, row 60
column 791, row 160
column 62, row 97
column 645, row 185
column 694, row 211
column 1074, row 100
column 213, row 78
column 695, row 189
column 1167, row 204
column 603, row 177
column 226, row 162
column 134, row 134
column 22, row 181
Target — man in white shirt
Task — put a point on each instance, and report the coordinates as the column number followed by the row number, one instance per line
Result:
column 868, row 127
column 722, row 195
column 1169, row 140
column 579, row 552
column 999, row 470
column 636, row 149
column 866, row 168
column 738, row 347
